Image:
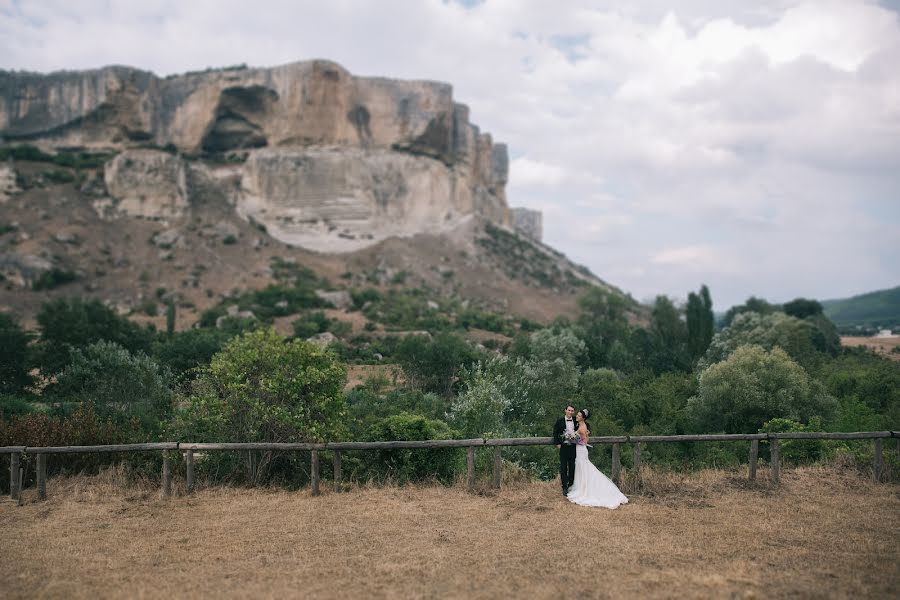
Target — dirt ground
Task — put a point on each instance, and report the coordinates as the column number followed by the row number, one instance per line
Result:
column 883, row 346
column 823, row 533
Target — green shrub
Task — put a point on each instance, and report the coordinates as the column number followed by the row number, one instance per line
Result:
column 264, row 388
column 412, row 465
column 185, row 351
column 74, row 323
column 53, row 278
column 119, row 383
column 14, row 363
column 14, row 406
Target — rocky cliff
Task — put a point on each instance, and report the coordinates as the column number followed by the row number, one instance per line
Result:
column 320, row 158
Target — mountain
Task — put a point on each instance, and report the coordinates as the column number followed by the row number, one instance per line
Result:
column 874, row 310
column 196, row 188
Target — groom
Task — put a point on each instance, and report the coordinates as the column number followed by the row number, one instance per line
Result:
column 566, row 451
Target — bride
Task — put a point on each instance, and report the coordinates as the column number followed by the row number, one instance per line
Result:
column 591, row 487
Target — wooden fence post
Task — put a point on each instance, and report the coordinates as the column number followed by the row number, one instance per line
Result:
column 754, row 456
column 616, row 463
column 41, row 476
column 876, row 473
column 189, row 471
column 498, row 467
column 315, row 473
column 14, row 479
column 470, row 467
column 776, row 460
column 637, row 462
column 337, row 471
column 166, row 475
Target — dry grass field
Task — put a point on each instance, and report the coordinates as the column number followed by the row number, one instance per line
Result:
column 823, row 533
column 883, row 346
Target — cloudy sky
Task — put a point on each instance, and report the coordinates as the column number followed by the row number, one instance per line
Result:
column 752, row 146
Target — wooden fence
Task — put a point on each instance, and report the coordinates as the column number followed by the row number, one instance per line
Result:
column 187, row 449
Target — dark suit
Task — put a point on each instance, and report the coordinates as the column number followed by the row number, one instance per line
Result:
column 566, row 454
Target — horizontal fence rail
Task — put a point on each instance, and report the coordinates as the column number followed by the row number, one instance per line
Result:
column 16, row 453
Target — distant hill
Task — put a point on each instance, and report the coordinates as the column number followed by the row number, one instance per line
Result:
column 874, row 310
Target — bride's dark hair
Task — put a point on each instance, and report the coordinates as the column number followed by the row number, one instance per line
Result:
column 585, row 413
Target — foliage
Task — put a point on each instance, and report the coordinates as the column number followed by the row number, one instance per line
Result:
column 406, row 309
column 495, row 400
column 802, row 308
column 860, row 378
column 752, row 305
column 264, row 388
column 411, row 465
column 797, row 451
column 701, row 322
column 366, row 405
column 67, row 324
column 753, row 386
column 14, row 367
column 53, row 278
column 602, row 323
column 14, row 406
column 795, row 336
column 72, row 159
column 668, row 350
column 431, row 364
column 119, row 383
column 608, row 397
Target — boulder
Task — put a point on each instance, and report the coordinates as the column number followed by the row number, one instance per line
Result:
column 148, row 183
column 340, row 299
column 322, row 339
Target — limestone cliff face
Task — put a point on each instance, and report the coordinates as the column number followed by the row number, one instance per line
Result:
column 333, row 161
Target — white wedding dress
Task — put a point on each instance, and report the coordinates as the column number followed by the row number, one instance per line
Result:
column 591, row 487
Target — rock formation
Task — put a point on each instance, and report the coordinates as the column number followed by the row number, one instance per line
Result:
column 318, row 157
column 529, row 222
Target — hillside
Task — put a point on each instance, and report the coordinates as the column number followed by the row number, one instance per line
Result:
column 874, row 310
column 199, row 188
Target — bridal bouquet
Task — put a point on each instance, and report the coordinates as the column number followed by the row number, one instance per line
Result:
column 570, row 438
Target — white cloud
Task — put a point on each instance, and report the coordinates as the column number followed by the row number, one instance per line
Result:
column 752, row 146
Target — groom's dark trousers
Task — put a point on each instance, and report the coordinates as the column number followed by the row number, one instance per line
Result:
column 567, row 465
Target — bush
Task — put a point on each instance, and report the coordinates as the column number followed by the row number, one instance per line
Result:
column 82, row 427
column 432, row 364
column 264, row 388
column 119, row 383
column 412, row 465
column 74, row 323
column 13, row 406
column 14, row 367
column 752, row 386
column 187, row 350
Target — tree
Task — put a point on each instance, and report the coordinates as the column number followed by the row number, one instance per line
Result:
column 606, row 394
column 170, row 317
column 74, row 323
column 752, row 386
column 602, row 322
column 117, row 382
column 669, row 338
column 752, row 305
column 700, row 322
column 794, row 336
column 432, row 364
column 264, row 388
column 186, row 350
column 495, row 399
column 14, row 367
column 802, row 308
